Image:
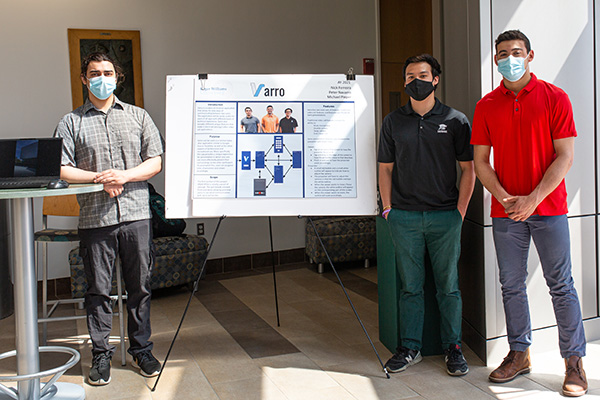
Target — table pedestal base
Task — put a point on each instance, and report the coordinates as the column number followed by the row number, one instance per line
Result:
column 60, row 391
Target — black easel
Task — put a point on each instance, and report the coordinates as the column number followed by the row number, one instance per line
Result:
column 347, row 297
column 274, row 279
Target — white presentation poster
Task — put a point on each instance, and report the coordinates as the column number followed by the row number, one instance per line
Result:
column 256, row 145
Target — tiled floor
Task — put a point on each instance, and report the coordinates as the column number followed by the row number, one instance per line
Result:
column 230, row 347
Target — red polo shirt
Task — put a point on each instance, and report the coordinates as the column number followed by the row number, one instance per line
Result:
column 521, row 129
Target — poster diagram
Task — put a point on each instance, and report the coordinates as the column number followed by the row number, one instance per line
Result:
column 275, row 169
column 298, row 144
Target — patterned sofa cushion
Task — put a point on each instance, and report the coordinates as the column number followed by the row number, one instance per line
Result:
column 56, row 235
column 345, row 238
column 331, row 226
column 170, row 245
column 177, row 260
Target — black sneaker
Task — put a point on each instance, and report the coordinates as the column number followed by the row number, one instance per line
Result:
column 100, row 371
column 402, row 359
column 456, row 365
column 148, row 365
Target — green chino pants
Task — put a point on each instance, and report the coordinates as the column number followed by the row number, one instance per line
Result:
column 439, row 233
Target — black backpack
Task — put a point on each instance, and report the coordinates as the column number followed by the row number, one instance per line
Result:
column 162, row 226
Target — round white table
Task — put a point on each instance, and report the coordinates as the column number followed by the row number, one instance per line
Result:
column 27, row 350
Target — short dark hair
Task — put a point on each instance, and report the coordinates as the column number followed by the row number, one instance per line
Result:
column 436, row 69
column 247, row 108
column 513, row 34
column 288, row 109
column 99, row 57
column 269, row 106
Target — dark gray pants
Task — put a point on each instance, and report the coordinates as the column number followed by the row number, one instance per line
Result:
column 99, row 247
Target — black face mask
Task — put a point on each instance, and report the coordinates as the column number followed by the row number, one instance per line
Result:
column 419, row 90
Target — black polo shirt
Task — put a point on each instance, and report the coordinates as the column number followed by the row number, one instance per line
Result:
column 424, row 151
column 288, row 125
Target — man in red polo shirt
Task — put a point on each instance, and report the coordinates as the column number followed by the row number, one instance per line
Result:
column 529, row 123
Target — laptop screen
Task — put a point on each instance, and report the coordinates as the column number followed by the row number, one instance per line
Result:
column 30, row 157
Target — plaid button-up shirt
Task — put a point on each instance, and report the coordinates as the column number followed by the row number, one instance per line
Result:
column 122, row 139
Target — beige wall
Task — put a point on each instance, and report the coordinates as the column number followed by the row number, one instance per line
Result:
column 178, row 37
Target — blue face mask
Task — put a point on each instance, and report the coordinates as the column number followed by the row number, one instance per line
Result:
column 102, row 86
column 512, row 68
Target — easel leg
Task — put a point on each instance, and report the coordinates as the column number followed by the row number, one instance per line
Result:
column 274, row 279
column 189, row 301
column 348, row 297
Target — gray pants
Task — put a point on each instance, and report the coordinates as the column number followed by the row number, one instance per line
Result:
column 551, row 237
column 99, row 247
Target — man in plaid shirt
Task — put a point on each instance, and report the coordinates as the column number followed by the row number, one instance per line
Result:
column 118, row 145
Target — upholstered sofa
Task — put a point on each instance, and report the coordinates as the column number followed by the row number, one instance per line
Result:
column 177, row 261
column 349, row 238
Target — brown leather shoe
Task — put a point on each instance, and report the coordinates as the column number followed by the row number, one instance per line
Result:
column 514, row 364
column 575, row 382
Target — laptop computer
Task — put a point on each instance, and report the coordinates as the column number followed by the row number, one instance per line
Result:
column 29, row 163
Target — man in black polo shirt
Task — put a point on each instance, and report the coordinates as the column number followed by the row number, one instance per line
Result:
column 288, row 124
column 419, row 146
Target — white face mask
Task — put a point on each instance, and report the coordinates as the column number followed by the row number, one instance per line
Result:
column 102, row 86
